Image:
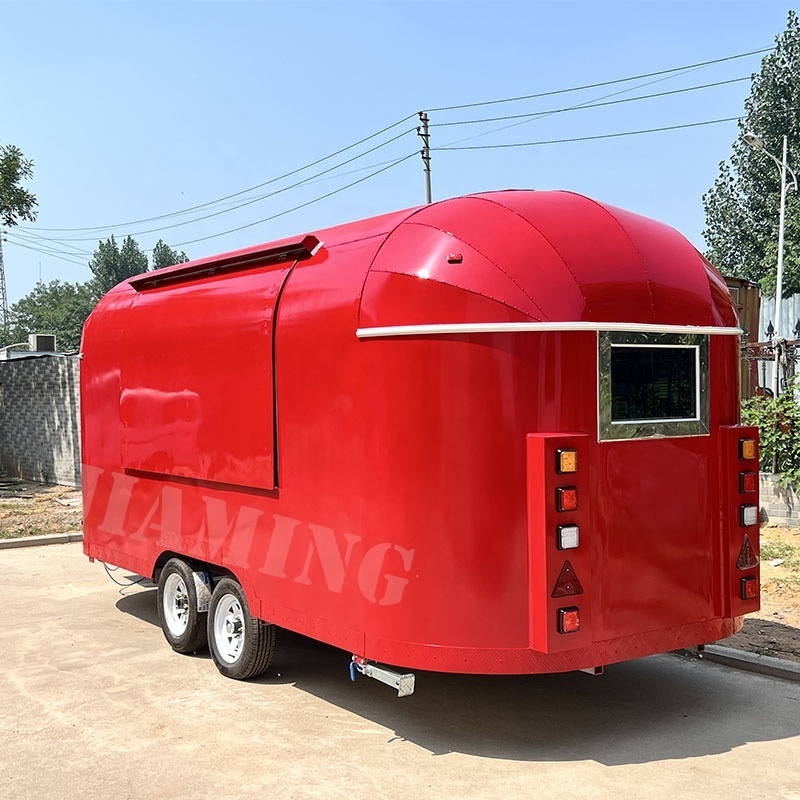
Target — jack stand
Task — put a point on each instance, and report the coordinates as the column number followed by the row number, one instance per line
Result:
column 404, row 683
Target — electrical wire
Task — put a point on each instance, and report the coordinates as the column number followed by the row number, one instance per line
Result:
column 56, row 252
column 36, row 238
column 234, row 194
column 251, row 201
column 302, row 205
column 127, row 584
column 64, row 241
column 591, row 138
column 601, row 84
column 590, row 104
column 46, row 253
column 46, row 246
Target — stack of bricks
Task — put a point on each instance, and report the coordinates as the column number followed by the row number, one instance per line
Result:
column 779, row 505
column 40, row 419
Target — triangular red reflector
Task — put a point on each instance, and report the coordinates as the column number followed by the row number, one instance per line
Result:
column 747, row 556
column 567, row 583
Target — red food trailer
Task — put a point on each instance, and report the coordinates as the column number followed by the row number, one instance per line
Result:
column 495, row 434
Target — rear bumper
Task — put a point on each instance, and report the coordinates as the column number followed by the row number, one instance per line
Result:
column 526, row 661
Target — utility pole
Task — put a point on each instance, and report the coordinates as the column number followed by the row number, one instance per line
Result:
column 3, row 296
column 424, row 134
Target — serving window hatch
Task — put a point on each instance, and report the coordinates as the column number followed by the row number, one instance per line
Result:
column 652, row 385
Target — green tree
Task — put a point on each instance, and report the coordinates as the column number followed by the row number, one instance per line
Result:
column 742, row 207
column 16, row 203
column 61, row 308
column 57, row 307
column 111, row 263
column 164, row 256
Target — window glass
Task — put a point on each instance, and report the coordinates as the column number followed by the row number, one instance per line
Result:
column 652, row 384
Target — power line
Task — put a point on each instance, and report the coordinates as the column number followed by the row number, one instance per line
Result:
column 590, row 104
column 603, row 83
column 46, row 253
column 302, row 205
column 234, row 194
column 42, row 240
column 45, row 241
column 582, row 104
column 591, row 138
column 251, row 201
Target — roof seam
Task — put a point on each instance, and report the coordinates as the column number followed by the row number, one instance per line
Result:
column 542, row 313
column 630, row 240
column 452, row 286
column 541, row 233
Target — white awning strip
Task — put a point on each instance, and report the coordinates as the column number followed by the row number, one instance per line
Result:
column 518, row 327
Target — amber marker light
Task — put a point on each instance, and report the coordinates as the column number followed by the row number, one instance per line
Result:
column 747, row 449
column 566, row 461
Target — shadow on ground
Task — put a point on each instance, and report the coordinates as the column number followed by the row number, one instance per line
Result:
column 652, row 709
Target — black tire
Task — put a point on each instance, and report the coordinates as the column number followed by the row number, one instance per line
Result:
column 240, row 644
column 184, row 627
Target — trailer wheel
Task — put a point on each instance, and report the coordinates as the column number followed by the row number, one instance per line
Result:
column 240, row 644
column 183, row 625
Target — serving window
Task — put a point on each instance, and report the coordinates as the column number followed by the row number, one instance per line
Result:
column 652, row 385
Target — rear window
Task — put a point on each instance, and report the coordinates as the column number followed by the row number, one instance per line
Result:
column 653, row 385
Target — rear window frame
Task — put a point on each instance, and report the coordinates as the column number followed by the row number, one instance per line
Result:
column 615, row 430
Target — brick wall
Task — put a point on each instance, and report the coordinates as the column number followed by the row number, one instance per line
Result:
column 778, row 505
column 40, row 431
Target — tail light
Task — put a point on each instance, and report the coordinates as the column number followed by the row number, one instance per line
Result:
column 749, row 587
column 748, row 482
column 567, row 498
column 569, row 620
column 555, row 518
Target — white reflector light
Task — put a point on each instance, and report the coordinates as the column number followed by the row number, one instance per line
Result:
column 568, row 537
column 749, row 515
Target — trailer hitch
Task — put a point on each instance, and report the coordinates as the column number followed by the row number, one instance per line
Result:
column 403, row 682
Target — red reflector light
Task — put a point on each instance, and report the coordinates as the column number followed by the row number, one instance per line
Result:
column 566, row 498
column 567, row 583
column 749, row 588
column 747, row 556
column 569, row 620
column 748, row 482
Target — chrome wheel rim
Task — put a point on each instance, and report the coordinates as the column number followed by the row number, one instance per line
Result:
column 229, row 628
column 176, row 604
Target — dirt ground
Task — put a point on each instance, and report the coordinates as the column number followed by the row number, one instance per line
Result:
column 775, row 629
column 33, row 509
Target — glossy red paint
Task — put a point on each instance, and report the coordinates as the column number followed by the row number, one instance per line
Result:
column 394, row 495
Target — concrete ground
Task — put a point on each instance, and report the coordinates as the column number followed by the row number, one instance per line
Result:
column 94, row 704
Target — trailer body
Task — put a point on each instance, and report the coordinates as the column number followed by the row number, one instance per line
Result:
column 373, row 428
